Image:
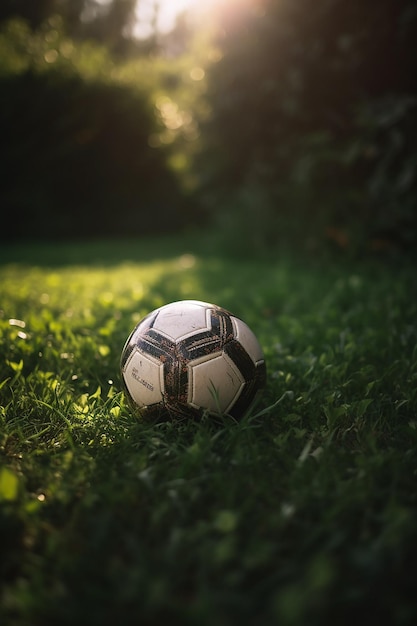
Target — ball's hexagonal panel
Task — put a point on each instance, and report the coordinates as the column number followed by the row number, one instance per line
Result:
column 144, row 378
column 214, row 383
column 180, row 320
column 248, row 340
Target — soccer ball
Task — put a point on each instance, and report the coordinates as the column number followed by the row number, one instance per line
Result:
column 191, row 358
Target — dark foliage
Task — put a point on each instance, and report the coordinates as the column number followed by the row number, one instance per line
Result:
column 75, row 160
column 311, row 135
column 34, row 12
column 105, row 22
column 326, row 95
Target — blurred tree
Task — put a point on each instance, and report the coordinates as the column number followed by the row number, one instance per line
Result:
column 286, row 95
column 292, row 70
column 33, row 12
column 85, row 149
column 108, row 22
column 77, row 161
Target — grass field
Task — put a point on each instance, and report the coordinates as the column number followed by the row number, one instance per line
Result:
column 303, row 513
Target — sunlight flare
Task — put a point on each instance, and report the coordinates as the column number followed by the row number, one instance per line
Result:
column 161, row 15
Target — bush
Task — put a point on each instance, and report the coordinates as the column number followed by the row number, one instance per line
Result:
column 315, row 111
column 75, row 157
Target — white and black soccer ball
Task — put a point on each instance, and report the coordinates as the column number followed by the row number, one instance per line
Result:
column 188, row 358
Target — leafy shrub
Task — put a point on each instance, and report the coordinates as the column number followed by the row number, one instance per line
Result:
column 315, row 111
column 75, row 158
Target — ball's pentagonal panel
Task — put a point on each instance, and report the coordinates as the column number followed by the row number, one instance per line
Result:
column 214, row 383
column 182, row 319
column 144, row 378
column 247, row 339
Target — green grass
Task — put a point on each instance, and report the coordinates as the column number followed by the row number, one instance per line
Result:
column 303, row 513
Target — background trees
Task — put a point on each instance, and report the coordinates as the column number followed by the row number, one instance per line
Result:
column 297, row 124
column 325, row 130
column 75, row 161
column 75, row 156
column 108, row 22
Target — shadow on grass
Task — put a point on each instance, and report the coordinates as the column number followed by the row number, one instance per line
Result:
column 98, row 252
